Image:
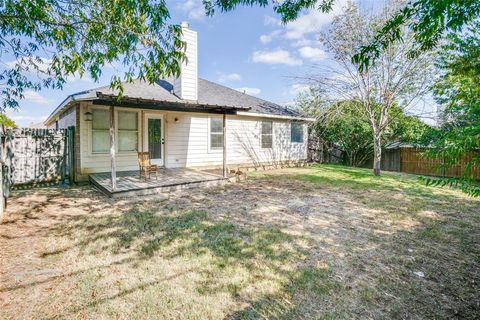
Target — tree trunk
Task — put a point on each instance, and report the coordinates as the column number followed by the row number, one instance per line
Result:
column 377, row 153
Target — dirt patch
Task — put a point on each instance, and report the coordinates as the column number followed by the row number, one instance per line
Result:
column 285, row 244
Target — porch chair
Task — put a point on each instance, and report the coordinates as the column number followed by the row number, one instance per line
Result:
column 145, row 166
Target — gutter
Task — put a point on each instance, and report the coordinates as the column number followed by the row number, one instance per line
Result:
column 274, row 116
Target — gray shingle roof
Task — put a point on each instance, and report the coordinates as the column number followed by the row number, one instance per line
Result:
column 209, row 93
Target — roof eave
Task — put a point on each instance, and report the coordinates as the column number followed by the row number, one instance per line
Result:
column 275, row 116
column 65, row 104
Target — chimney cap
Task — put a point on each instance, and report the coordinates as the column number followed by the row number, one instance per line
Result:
column 184, row 24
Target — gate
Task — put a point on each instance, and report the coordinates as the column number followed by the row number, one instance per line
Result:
column 34, row 157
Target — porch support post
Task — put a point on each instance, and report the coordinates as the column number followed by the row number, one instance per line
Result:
column 224, row 124
column 142, row 120
column 112, row 149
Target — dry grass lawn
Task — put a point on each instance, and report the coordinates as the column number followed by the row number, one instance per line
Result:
column 324, row 242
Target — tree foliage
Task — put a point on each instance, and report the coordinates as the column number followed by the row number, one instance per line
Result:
column 458, row 92
column 428, row 20
column 342, row 126
column 50, row 40
column 6, row 121
column 394, row 81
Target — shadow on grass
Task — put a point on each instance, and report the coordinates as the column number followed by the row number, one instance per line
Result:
column 445, row 250
column 304, row 289
column 197, row 233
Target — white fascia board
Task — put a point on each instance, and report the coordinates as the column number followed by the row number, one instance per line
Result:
column 273, row 116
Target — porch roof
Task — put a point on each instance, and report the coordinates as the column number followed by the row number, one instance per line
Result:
column 135, row 102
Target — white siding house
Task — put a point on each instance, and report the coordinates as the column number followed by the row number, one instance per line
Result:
column 180, row 123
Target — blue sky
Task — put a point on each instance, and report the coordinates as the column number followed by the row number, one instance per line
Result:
column 246, row 49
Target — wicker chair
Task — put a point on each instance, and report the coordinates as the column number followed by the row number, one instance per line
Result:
column 146, row 168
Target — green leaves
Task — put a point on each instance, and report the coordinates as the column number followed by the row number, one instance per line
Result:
column 54, row 39
column 6, row 121
column 429, row 20
column 458, row 92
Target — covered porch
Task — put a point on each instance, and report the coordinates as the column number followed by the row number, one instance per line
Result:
column 131, row 183
column 151, row 141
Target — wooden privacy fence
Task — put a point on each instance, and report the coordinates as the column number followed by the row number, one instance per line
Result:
column 36, row 156
column 412, row 161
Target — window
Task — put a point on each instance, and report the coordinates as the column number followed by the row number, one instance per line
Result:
column 100, row 131
column 127, row 131
column 267, row 134
column 296, row 132
column 216, row 133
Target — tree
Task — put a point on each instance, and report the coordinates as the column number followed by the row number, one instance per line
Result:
column 337, row 127
column 6, row 121
column 50, row 40
column 342, row 126
column 457, row 90
column 394, row 79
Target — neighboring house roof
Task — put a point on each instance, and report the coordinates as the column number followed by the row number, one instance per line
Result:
column 399, row 145
column 37, row 125
column 209, row 94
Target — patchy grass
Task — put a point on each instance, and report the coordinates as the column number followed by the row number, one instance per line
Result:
column 323, row 242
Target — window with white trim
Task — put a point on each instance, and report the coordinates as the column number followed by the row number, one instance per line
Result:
column 100, row 131
column 296, row 132
column 127, row 131
column 267, row 134
column 216, row 133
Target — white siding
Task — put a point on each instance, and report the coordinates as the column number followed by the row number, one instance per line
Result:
column 187, row 143
column 186, row 86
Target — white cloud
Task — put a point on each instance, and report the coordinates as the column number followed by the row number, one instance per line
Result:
column 41, row 67
column 23, row 119
column 229, row 77
column 31, row 65
column 250, row 91
column 76, row 78
column 194, row 9
column 266, row 38
column 310, row 22
column 35, row 97
column 278, row 56
column 305, row 42
column 310, row 53
column 272, row 21
column 296, row 89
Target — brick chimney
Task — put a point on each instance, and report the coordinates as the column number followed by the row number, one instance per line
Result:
column 186, row 85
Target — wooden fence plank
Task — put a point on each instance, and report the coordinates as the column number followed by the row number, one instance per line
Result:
column 413, row 161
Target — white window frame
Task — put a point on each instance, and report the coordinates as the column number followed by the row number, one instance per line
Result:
column 210, row 148
column 115, row 115
column 303, row 133
column 117, row 129
column 91, row 130
column 262, row 134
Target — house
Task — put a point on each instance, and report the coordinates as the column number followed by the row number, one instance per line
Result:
column 182, row 123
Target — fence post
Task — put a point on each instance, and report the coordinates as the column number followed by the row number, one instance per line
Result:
column 63, row 133
column 2, row 157
column 71, row 154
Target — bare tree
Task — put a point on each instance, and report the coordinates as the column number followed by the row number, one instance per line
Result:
column 395, row 77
